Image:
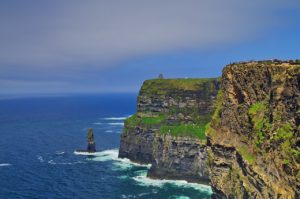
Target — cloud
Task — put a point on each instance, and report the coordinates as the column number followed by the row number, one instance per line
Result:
column 61, row 39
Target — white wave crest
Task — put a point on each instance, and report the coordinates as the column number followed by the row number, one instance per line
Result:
column 106, row 155
column 65, row 163
column 115, row 118
column 181, row 197
column 143, row 180
column 59, row 152
column 119, row 163
column 116, row 123
column 40, row 158
column 124, row 164
column 109, row 131
column 86, row 153
column 5, row 165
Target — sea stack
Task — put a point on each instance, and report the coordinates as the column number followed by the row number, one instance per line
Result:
column 91, row 148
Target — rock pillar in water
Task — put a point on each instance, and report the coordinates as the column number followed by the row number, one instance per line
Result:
column 91, row 141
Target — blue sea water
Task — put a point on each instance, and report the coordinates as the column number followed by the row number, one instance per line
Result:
column 38, row 137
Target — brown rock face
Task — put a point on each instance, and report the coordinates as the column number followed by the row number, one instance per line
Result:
column 253, row 137
column 182, row 105
column 179, row 158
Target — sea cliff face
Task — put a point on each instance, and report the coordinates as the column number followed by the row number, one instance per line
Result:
column 168, row 128
column 253, row 138
column 180, row 158
column 252, row 143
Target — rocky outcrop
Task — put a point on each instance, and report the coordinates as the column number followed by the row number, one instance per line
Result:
column 253, row 138
column 91, row 145
column 91, row 141
column 180, row 158
column 136, row 144
column 168, row 128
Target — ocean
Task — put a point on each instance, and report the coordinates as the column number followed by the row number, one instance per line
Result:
column 38, row 139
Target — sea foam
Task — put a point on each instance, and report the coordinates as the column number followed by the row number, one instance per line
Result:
column 143, row 180
column 112, row 155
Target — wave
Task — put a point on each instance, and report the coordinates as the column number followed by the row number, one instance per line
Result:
column 181, row 197
column 141, row 175
column 59, row 152
column 143, row 180
column 110, row 123
column 5, row 165
column 115, row 118
column 116, row 123
column 107, row 155
column 98, row 123
column 40, row 158
column 86, row 153
column 109, row 131
column 65, row 163
column 124, row 164
column 119, row 163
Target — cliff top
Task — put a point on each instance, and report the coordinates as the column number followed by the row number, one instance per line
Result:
column 271, row 61
column 160, row 86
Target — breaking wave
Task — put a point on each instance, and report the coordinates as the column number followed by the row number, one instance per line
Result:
column 143, row 180
column 116, row 123
column 112, row 155
column 141, row 175
column 65, row 163
column 5, row 165
column 115, row 118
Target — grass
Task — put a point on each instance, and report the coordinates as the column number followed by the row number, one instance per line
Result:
column 189, row 130
column 134, row 120
column 285, row 132
column 216, row 117
column 153, row 120
column 257, row 107
column 218, row 105
column 246, row 154
column 260, row 123
column 161, row 86
column 283, row 135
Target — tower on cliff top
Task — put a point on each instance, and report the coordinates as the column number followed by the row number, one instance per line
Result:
column 160, row 76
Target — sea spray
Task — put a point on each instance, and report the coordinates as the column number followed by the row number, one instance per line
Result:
column 140, row 176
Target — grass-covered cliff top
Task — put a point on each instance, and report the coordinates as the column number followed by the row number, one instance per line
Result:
column 159, row 122
column 178, row 107
column 161, row 86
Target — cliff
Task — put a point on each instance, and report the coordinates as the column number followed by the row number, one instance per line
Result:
column 253, row 138
column 168, row 128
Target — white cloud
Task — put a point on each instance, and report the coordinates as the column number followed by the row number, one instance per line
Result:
column 51, row 39
column 103, row 32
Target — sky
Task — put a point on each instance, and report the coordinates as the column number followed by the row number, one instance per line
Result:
column 112, row 46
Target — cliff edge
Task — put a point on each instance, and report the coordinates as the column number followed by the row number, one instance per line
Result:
column 253, row 138
column 168, row 128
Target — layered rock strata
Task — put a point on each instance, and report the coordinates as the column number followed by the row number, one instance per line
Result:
column 168, row 128
column 253, row 138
